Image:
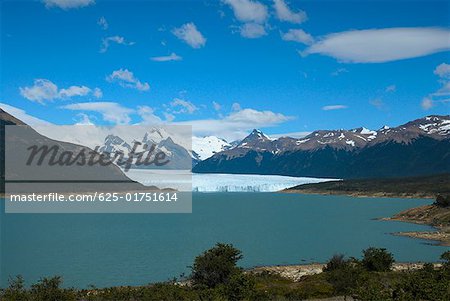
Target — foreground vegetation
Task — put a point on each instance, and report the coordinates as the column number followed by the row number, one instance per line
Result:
column 216, row 276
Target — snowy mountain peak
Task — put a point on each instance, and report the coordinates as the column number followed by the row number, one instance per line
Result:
column 205, row 147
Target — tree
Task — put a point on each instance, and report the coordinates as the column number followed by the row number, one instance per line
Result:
column 215, row 266
column 377, row 260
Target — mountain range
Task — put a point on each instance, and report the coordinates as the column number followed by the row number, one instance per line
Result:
column 419, row 147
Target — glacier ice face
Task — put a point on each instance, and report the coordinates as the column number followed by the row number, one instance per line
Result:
column 246, row 183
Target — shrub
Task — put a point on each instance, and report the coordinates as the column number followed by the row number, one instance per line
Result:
column 215, row 266
column 442, row 201
column 335, row 262
column 377, row 260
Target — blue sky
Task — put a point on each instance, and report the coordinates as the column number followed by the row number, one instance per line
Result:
column 226, row 66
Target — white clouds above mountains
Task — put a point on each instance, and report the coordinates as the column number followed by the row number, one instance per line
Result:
column 284, row 13
column 190, row 35
column 236, row 124
column 106, row 42
column 442, row 95
column 43, row 90
column 110, row 111
column 126, row 79
column 298, row 35
column 68, row 4
column 382, row 45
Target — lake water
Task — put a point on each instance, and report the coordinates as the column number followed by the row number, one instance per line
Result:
column 270, row 229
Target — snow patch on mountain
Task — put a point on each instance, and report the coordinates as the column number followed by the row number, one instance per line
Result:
column 206, row 147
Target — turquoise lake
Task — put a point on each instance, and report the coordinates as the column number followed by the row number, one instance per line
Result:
column 270, row 229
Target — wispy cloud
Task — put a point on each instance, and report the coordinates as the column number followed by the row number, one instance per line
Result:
column 182, row 106
column 44, row 90
column 68, row 4
column 190, row 35
column 339, row 71
column 298, row 35
column 334, row 107
column 442, row 95
column 391, row 88
column 126, row 79
column 111, row 111
column 284, row 13
column 382, row 45
column 106, row 42
column 377, row 103
column 171, row 57
column 102, row 23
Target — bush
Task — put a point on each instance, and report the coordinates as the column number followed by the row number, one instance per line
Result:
column 215, row 266
column 442, row 201
column 377, row 260
column 335, row 262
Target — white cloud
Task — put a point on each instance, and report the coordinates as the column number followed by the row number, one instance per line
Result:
column 236, row 107
column 126, row 79
column 111, row 111
column 172, row 57
column 98, row 93
column 22, row 115
column 148, row 116
column 334, row 107
column 391, row 88
column 68, row 4
column 444, row 90
column 298, row 35
column 443, row 70
column 216, row 106
column 189, row 34
column 84, row 119
column 291, row 134
column 252, row 30
column 285, row 14
column 377, row 103
column 441, row 95
column 183, row 106
column 74, row 91
column 382, row 45
column 106, row 42
column 427, row 103
column 103, row 23
column 44, row 90
column 237, row 124
column 248, row 10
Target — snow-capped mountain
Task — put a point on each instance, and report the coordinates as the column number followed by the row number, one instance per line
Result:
column 205, row 147
column 178, row 156
column 414, row 148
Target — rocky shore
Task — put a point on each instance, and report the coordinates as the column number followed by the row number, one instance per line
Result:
column 296, row 272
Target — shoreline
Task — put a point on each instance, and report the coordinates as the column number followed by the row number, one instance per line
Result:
column 361, row 194
column 296, row 272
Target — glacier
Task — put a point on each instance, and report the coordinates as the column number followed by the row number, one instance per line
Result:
column 187, row 181
column 247, row 183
